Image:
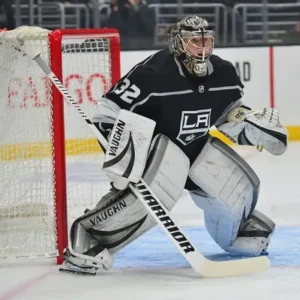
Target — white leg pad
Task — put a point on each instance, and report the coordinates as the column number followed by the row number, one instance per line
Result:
column 228, row 194
column 119, row 217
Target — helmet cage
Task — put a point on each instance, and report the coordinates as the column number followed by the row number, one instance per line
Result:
column 200, row 52
column 183, row 38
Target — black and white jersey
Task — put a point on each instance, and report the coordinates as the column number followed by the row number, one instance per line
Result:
column 183, row 106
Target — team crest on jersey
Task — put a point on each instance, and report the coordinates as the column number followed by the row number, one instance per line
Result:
column 193, row 125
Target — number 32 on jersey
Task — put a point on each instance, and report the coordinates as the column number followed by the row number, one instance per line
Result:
column 128, row 92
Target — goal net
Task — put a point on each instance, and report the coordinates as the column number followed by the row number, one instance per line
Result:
column 50, row 162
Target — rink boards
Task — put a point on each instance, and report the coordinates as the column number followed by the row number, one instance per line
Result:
column 270, row 75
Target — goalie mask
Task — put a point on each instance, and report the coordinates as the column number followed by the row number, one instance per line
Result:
column 192, row 42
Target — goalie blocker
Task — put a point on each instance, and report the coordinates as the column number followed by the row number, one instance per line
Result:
column 129, row 142
column 119, row 217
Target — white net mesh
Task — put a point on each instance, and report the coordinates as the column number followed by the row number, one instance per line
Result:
column 86, row 75
column 27, row 207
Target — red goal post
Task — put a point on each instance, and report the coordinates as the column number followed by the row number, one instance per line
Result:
column 50, row 163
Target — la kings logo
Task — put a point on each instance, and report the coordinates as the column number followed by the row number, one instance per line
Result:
column 193, row 125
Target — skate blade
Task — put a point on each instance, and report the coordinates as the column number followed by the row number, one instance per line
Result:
column 78, row 272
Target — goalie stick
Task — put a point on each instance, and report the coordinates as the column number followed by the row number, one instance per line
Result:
column 203, row 266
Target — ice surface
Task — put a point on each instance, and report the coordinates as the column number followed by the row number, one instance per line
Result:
column 151, row 267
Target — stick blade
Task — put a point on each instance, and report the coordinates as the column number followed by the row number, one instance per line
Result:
column 234, row 267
